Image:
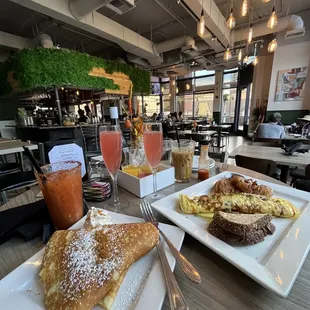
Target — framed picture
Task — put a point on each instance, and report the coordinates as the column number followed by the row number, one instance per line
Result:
column 291, row 84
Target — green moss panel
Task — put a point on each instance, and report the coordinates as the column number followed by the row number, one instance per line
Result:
column 42, row 67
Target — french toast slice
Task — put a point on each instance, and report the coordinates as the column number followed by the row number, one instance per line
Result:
column 80, row 267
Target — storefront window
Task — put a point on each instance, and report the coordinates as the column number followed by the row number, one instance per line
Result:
column 230, row 80
column 204, row 105
column 185, row 104
column 206, row 82
column 151, row 104
column 228, row 105
column 204, row 72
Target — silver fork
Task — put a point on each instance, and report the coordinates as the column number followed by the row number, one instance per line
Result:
column 185, row 265
column 176, row 298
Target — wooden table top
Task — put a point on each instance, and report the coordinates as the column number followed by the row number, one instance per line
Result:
column 14, row 146
column 295, row 138
column 223, row 286
column 273, row 153
column 191, row 132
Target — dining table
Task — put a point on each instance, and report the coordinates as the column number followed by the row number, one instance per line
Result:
column 219, row 128
column 300, row 160
column 10, row 146
column 222, row 286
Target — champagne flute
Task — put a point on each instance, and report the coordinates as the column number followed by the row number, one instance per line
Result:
column 153, row 146
column 111, row 149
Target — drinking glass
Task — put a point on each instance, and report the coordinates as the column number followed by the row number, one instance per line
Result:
column 153, row 147
column 61, row 185
column 111, row 149
column 182, row 159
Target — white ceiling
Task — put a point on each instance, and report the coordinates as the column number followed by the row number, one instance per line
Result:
column 157, row 20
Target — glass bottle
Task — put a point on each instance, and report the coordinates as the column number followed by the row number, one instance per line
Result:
column 203, row 164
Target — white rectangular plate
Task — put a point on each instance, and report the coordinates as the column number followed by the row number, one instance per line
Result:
column 275, row 262
column 143, row 287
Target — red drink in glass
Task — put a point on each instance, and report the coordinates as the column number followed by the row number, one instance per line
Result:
column 111, row 149
column 153, row 146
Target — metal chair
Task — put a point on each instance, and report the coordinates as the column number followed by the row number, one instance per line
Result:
column 90, row 136
column 303, row 185
column 300, row 174
column 264, row 166
column 15, row 181
column 7, row 168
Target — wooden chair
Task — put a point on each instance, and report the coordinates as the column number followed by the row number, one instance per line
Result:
column 264, row 166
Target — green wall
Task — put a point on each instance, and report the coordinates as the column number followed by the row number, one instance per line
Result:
column 289, row 116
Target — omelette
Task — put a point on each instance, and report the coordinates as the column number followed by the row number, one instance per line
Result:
column 238, row 202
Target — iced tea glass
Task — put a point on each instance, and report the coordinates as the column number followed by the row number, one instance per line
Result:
column 182, row 160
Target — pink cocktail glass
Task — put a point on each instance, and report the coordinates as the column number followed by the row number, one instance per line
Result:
column 153, row 147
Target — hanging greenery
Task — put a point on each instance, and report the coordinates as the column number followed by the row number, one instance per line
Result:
column 29, row 69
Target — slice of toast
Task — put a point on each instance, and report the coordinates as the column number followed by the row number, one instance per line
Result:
column 241, row 224
column 248, row 239
column 80, row 267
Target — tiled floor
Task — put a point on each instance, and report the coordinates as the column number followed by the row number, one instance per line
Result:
column 234, row 142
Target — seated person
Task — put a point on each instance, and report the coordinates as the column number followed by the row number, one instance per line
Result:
column 82, row 117
column 271, row 130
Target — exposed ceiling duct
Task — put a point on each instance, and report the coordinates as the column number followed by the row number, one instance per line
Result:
column 81, row 8
column 295, row 28
column 43, row 40
column 98, row 25
column 292, row 23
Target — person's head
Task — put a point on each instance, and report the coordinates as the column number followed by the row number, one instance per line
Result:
column 154, row 114
column 81, row 112
column 180, row 113
column 275, row 118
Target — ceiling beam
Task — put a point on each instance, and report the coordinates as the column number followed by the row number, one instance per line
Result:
column 214, row 21
column 13, row 42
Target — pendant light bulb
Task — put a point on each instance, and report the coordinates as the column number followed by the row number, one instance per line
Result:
column 77, row 93
column 162, row 89
column 265, row 1
column 201, row 25
column 227, row 54
column 173, row 82
column 272, row 46
column 240, row 55
column 255, row 62
column 246, row 59
column 273, row 20
column 177, row 90
column 244, row 8
column 187, row 86
column 231, row 22
column 250, row 35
